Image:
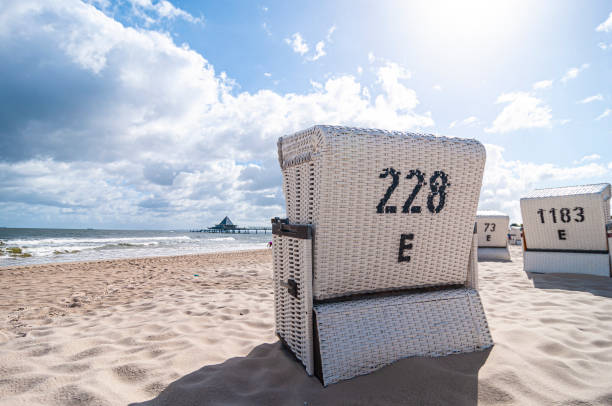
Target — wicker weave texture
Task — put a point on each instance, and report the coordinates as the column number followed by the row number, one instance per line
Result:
column 335, row 179
column 566, row 262
column 597, row 188
column 566, row 222
column 492, row 230
column 293, row 316
column 472, row 275
column 358, row 337
column 493, row 254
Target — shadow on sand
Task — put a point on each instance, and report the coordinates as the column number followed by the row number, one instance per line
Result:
column 597, row 285
column 269, row 375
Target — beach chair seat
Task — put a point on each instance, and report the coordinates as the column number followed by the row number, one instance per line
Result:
column 356, row 337
column 492, row 230
column 566, row 230
column 378, row 248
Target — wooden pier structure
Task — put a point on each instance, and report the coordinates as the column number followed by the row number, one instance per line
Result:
column 226, row 226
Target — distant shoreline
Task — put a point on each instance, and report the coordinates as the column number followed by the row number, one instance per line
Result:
column 152, row 258
column 44, row 246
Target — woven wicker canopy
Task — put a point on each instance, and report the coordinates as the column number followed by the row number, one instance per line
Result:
column 565, row 229
column 374, row 217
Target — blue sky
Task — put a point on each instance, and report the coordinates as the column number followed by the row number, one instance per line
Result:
column 156, row 114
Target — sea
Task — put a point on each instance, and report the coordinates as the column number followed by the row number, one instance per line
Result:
column 27, row 246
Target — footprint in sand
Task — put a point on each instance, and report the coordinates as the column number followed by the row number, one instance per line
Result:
column 155, row 388
column 92, row 352
column 6, row 371
column 21, row 384
column 128, row 341
column 72, row 395
column 41, row 333
column 161, row 337
column 155, row 353
column 491, row 394
column 71, row 368
column 130, row 373
column 42, row 350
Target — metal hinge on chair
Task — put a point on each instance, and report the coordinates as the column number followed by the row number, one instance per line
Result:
column 291, row 286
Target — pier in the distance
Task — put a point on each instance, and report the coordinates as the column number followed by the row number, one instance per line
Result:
column 226, row 226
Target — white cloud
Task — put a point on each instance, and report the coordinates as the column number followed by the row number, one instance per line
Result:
column 564, row 121
column 316, row 85
column 603, row 45
column 606, row 25
column 605, row 114
column 506, row 181
column 587, row 158
column 572, row 73
column 359, row 70
column 597, row 97
column 267, row 74
column 437, row 87
column 150, row 134
column 301, row 47
column 523, row 111
column 371, row 57
column 331, row 30
column 470, row 121
column 542, row 84
column 319, row 51
column 398, row 96
column 297, row 43
column 154, row 12
column 266, row 28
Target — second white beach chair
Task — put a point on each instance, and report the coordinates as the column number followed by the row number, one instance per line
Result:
column 492, row 230
column 515, row 235
column 564, row 230
column 376, row 260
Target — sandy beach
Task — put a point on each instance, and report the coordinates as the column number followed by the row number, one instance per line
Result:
column 199, row 330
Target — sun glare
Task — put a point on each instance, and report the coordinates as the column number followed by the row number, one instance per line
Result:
column 460, row 28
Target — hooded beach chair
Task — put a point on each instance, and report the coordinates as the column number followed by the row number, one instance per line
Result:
column 376, row 260
column 515, row 235
column 565, row 230
column 492, row 231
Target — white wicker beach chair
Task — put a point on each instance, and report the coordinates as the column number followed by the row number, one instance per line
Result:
column 492, row 230
column 377, row 259
column 565, row 230
column 515, row 235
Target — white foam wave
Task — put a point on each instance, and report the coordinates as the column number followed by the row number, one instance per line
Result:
column 47, row 241
column 64, row 248
column 127, row 245
column 47, row 251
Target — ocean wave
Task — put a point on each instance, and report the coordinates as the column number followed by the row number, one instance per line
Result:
column 14, row 252
column 125, row 245
column 47, row 241
column 71, row 247
column 62, row 252
column 47, row 251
